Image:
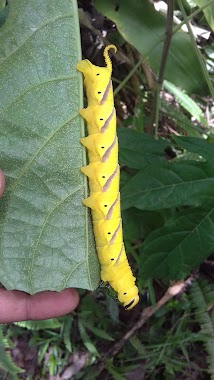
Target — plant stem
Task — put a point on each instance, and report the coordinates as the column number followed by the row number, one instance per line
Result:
column 198, row 53
column 169, row 26
column 125, row 80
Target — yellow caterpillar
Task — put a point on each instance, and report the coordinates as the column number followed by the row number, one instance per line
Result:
column 103, row 173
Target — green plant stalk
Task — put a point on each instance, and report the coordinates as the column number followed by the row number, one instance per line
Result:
column 125, row 80
column 169, row 26
column 129, row 88
column 200, row 58
column 195, row 13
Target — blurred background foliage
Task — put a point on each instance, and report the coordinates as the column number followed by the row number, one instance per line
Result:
column 165, row 130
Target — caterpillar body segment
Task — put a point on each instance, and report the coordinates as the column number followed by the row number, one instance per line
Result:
column 104, row 205
column 111, row 254
column 108, row 232
column 101, row 147
column 103, row 174
column 99, row 118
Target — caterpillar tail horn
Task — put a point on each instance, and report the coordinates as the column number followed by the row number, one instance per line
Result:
column 106, row 56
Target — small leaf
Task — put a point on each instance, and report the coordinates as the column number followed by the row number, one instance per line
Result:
column 86, row 340
column 180, row 119
column 97, row 331
column 186, row 102
column 67, row 325
column 40, row 325
column 6, row 362
column 113, row 309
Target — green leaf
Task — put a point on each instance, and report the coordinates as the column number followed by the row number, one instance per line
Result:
column 143, row 27
column 113, row 372
column 97, row 331
column 186, row 102
column 138, row 345
column 86, row 340
column 166, row 185
column 40, row 325
column 201, row 293
column 46, row 239
column 203, row 147
column 6, row 362
column 67, row 326
column 137, row 224
column 180, row 119
column 172, row 251
column 113, row 309
column 208, row 11
column 138, row 150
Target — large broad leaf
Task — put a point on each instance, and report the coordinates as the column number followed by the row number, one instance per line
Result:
column 171, row 184
column 46, row 241
column 164, row 185
column 208, row 11
column 143, row 27
column 172, row 251
column 138, row 150
column 137, row 224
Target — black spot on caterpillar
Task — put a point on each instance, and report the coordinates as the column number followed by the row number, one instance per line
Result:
column 103, row 174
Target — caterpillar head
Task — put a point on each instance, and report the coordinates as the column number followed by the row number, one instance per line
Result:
column 129, row 296
column 97, row 81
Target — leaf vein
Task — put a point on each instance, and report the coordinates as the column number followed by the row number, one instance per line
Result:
column 42, row 229
column 33, row 34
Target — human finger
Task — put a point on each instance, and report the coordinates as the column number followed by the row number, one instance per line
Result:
column 20, row 306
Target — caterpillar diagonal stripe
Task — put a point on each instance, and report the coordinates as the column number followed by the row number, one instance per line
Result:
column 103, row 174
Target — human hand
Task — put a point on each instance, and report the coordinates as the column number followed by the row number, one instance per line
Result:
column 16, row 305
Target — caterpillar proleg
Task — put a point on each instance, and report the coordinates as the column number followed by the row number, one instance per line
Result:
column 103, row 174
